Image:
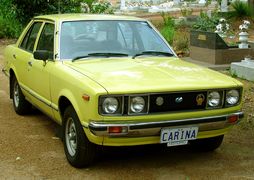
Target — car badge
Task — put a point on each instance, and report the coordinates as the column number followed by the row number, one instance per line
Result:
column 179, row 99
column 159, row 101
column 200, row 99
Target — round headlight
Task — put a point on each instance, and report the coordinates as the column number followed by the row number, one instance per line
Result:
column 213, row 99
column 137, row 104
column 232, row 97
column 110, row 105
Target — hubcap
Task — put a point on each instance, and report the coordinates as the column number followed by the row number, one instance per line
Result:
column 16, row 94
column 71, row 136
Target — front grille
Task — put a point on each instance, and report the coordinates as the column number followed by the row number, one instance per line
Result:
column 172, row 101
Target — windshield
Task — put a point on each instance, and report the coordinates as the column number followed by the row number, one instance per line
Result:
column 81, row 38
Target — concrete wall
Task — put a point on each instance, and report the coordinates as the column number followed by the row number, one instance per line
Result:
column 219, row 56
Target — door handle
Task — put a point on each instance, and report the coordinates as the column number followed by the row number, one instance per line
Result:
column 30, row 63
column 14, row 56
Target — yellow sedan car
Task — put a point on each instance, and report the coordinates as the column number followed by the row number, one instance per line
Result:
column 115, row 81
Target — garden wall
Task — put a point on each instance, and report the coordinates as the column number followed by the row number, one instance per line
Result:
column 209, row 47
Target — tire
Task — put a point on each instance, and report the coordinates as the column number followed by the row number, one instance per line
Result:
column 79, row 151
column 207, row 144
column 20, row 104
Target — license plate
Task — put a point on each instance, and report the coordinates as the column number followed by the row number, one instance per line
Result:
column 178, row 136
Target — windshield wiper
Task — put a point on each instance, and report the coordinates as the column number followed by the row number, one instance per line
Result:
column 79, row 57
column 100, row 55
column 154, row 53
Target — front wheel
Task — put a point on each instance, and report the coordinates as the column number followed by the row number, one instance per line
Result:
column 79, row 151
column 21, row 105
column 207, row 144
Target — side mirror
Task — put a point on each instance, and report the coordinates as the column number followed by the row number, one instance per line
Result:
column 41, row 55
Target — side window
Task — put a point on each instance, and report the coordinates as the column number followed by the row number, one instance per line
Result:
column 46, row 41
column 30, row 37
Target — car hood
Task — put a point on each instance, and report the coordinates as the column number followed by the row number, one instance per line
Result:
column 151, row 74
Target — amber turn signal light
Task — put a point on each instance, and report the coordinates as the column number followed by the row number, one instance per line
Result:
column 86, row 97
column 117, row 129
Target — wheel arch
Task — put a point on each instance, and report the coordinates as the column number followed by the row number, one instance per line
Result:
column 63, row 103
column 65, row 100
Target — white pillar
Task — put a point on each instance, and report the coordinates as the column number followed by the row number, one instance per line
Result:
column 224, row 6
column 243, row 39
column 122, row 7
column 176, row 2
column 202, row 1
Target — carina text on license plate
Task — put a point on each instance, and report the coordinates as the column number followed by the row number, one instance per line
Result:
column 178, row 136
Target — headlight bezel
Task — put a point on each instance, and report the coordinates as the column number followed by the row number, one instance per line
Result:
column 118, row 112
column 221, row 103
column 223, row 93
column 239, row 91
column 124, row 103
column 146, row 106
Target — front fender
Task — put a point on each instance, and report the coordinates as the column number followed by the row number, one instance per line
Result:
column 70, row 96
column 83, row 114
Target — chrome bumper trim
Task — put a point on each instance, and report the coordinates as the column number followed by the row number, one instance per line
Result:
column 141, row 129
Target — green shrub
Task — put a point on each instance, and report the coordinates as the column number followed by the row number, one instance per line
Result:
column 206, row 23
column 184, row 24
column 168, row 29
column 181, row 42
column 27, row 9
column 186, row 12
column 9, row 28
column 101, row 7
column 168, row 20
column 17, row 13
column 168, row 33
column 241, row 10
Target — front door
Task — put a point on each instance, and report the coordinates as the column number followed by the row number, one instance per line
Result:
column 39, row 71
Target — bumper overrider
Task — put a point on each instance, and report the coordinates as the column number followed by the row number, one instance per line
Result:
column 145, row 129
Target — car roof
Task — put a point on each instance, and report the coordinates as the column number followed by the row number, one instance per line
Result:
column 76, row 17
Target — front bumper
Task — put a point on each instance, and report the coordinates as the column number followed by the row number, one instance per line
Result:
column 146, row 129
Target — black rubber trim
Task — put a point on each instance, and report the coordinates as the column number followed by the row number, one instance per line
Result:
column 93, row 128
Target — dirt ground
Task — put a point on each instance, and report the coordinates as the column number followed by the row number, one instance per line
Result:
column 29, row 149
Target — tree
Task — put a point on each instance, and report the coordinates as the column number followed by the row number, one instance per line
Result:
column 251, row 3
column 16, row 13
column 26, row 9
